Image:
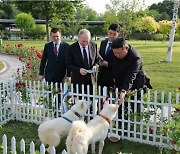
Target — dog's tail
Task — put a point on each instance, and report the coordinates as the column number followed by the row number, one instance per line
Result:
column 77, row 140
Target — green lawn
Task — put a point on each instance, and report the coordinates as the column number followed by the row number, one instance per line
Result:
column 164, row 76
column 28, row 132
column 1, row 65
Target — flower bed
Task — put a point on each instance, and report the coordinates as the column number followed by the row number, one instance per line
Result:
column 30, row 57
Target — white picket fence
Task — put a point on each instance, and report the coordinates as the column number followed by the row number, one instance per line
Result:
column 32, row 150
column 38, row 102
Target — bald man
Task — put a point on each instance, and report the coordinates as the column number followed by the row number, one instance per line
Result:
column 81, row 57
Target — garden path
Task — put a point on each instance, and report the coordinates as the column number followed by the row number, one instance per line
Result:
column 11, row 65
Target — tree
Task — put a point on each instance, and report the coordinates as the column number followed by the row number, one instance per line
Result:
column 165, row 27
column 124, row 12
column 25, row 22
column 164, row 8
column 148, row 25
column 47, row 10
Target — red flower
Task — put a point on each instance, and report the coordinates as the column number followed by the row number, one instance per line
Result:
column 28, row 65
column 23, row 84
column 20, row 45
column 173, row 142
column 39, row 55
column 30, row 76
column 20, row 58
column 20, row 89
column 17, row 84
column 68, row 97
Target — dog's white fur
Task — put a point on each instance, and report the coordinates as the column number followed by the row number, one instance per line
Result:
column 51, row 131
column 82, row 134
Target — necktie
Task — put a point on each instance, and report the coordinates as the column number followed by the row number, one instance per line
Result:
column 55, row 50
column 85, row 58
column 109, row 48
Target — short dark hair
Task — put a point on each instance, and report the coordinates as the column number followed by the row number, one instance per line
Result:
column 114, row 27
column 119, row 42
column 55, row 30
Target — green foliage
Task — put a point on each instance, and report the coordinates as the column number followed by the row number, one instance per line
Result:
column 165, row 9
column 178, row 28
column 25, row 22
column 38, row 33
column 165, row 27
column 173, row 128
column 125, row 13
column 148, row 24
column 63, row 10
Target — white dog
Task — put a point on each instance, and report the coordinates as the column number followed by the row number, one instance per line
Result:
column 82, row 134
column 50, row 132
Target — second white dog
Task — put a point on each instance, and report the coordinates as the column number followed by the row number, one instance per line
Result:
column 50, row 132
column 82, row 134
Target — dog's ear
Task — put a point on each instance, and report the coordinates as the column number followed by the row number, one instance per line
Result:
column 82, row 105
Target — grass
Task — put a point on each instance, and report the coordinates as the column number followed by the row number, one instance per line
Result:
column 1, row 65
column 164, row 75
column 28, row 131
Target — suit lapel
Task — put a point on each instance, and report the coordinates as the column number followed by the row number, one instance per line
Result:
column 92, row 54
column 79, row 53
column 104, row 48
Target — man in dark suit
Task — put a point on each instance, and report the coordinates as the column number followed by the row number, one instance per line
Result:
column 128, row 70
column 105, row 75
column 52, row 65
column 81, row 57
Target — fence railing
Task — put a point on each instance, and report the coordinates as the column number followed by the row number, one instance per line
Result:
column 34, row 101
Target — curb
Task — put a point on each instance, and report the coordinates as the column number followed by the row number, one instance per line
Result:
column 5, row 67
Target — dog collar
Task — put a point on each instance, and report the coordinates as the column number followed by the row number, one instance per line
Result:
column 69, row 120
column 105, row 118
column 77, row 114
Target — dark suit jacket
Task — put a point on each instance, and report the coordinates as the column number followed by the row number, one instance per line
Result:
column 105, row 75
column 129, row 72
column 53, row 67
column 75, row 61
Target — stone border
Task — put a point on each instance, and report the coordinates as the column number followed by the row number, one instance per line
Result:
column 6, row 67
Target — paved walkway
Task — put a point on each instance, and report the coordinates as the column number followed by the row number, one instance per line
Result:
column 11, row 64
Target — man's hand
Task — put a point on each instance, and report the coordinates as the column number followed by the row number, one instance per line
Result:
column 95, row 67
column 122, row 95
column 83, row 71
column 41, row 77
column 103, row 63
column 68, row 79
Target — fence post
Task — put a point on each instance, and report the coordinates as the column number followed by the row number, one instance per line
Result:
column 42, row 149
column 13, row 145
column 22, row 143
column 64, row 95
column 4, row 144
column 64, row 152
column 12, row 95
column 53, row 151
column 32, row 148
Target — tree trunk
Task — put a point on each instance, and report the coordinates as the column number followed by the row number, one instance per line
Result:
column 47, row 30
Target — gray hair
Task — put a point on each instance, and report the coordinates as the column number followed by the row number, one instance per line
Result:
column 85, row 31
